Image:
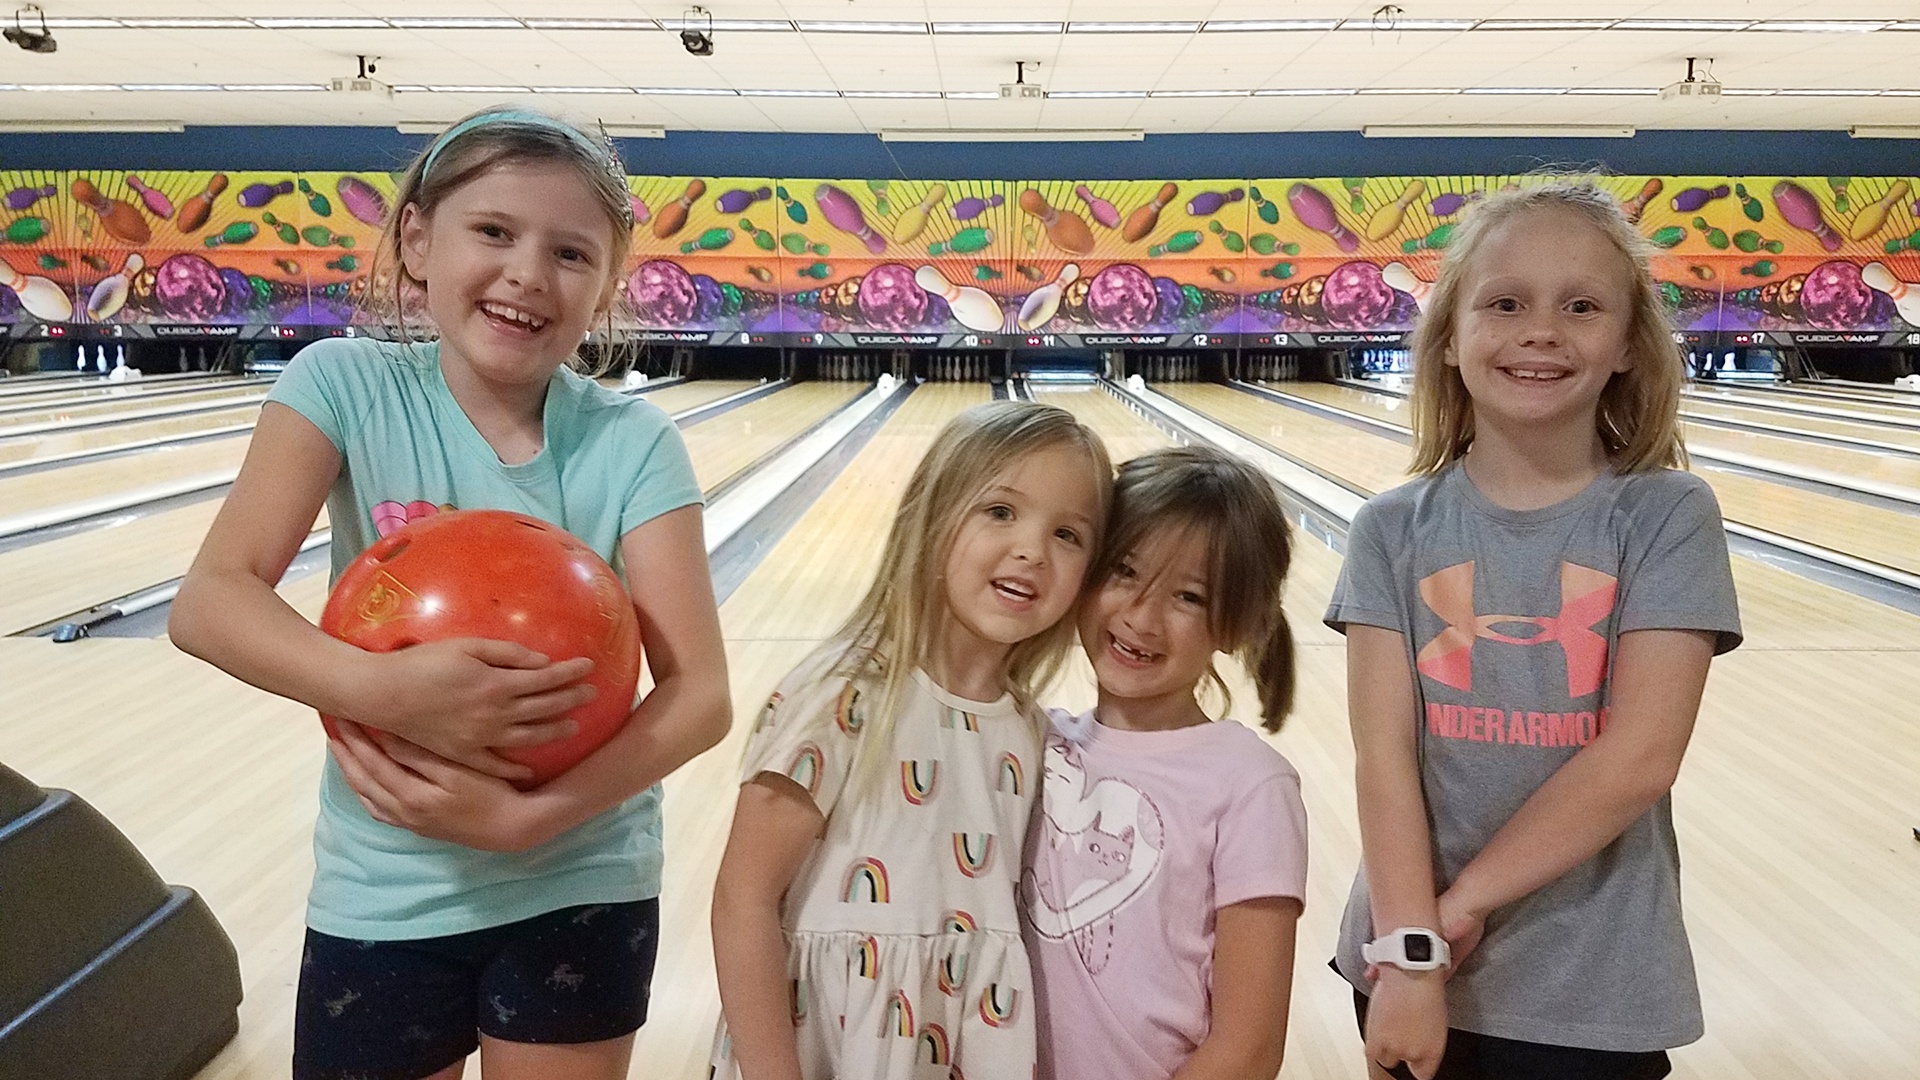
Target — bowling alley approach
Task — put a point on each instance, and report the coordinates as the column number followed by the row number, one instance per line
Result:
column 507, row 510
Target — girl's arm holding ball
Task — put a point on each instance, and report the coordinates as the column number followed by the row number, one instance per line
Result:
column 1407, row 1017
column 1658, row 678
column 458, row 698
column 1253, row 947
column 686, row 713
column 775, row 825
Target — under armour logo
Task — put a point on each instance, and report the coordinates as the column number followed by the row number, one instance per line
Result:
column 1586, row 598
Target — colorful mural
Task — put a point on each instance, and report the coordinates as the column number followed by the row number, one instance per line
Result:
column 957, row 264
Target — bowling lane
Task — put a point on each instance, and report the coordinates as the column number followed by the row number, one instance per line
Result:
column 49, row 580
column 93, row 388
column 251, row 392
column 1831, row 521
column 1785, row 451
column 1907, row 438
column 1778, row 608
column 84, row 481
column 691, row 395
column 1855, row 407
column 736, row 438
column 53, row 443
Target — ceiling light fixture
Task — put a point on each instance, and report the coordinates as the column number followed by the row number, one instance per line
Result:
column 29, row 39
column 696, row 32
column 1012, row 134
column 1497, row 131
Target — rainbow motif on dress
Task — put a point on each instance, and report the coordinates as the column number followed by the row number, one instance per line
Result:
column 999, row 1005
column 766, row 714
column 918, row 779
column 867, row 883
column 805, row 769
column 899, row 1016
column 1013, row 779
column 866, row 958
column 953, row 972
column 847, row 714
column 933, row 1049
column 960, row 922
column 956, row 720
column 973, row 852
column 797, row 1000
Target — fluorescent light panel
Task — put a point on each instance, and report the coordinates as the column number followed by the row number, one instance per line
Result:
column 1885, row 131
column 824, row 26
column 997, row 27
column 1077, row 27
column 1268, row 26
column 142, row 126
column 1011, row 134
column 1497, row 131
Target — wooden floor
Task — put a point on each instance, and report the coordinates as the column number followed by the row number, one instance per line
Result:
column 1793, row 808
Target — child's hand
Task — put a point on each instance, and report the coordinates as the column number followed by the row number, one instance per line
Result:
column 465, row 698
column 1407, row 1020
column 409, row 788
column 1463, row 928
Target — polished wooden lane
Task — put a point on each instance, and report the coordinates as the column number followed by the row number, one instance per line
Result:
column 133, row 402
column 84, row 481
column 691, row 395
column 1888, row 537
column 1863, row 428
column 1864, row 408
column 733, row 440
column 98, row 389
column 52, row 443
column 1808, row 615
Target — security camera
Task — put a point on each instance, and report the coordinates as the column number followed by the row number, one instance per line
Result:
column 696, row 32
column 38, row 41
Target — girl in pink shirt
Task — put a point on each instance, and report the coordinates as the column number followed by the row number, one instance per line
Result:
column 1167, row 869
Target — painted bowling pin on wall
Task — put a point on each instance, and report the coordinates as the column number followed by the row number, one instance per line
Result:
column 1064, row 227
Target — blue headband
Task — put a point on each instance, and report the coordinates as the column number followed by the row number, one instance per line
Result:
column 603, row 152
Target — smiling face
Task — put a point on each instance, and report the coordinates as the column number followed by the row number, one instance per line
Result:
column 1021, row 551
column 1147, row 628
column 1544, row 319
column 518, row 264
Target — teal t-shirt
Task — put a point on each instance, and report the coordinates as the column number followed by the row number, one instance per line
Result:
column 610, row 463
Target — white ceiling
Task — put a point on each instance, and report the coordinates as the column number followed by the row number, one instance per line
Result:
column 1354, row 57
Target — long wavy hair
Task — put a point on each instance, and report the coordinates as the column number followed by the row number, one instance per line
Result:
column 1639, row 415
column 893, row 628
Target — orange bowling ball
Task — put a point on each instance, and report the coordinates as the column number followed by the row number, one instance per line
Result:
column 505, row 576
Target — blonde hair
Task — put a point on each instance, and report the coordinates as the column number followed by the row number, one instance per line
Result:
column 1234, row 507
column 1639, row 415
column 893, row 627
column 472, row 147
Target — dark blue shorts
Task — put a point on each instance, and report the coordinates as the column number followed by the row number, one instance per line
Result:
column 1473, row 1056
column 400, row 1010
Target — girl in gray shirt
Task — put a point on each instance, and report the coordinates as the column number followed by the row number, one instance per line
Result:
column 1529, row 625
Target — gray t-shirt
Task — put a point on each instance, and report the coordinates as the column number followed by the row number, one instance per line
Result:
column 1510, row 618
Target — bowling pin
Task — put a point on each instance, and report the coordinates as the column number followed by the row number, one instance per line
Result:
column 1905, row 294
column 1387, row 218
column 1146, row 218
column 914, row 221
column 80, row 358
column 156, row 201
column 972, row 206
column 673, row 216
column 1316, row 212
column 1637, row 205
column 110, row 295
column 100, row 359
column 844, row 214
column 1064, row 227
column 119, row 218
column 739, row 199
column 1043, row 302
column 23, row 198
column 255, row 196
column 41, row 297
column 193, row 212
column 1801, row 210
column 1397, row 275
column 1210, row 202
column 1102, row 210
column 1872, row 216
column 975, row 309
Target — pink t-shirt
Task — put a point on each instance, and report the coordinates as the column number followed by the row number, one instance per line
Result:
column 1141, row 838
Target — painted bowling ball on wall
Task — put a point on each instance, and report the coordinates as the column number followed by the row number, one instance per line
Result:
column 507, row 577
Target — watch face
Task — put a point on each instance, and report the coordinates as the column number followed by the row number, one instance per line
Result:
column 1419, row 948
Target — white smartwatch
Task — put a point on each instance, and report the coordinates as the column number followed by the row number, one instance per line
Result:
column 1410, row 948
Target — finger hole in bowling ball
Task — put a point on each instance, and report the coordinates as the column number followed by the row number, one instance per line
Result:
column 393, row 552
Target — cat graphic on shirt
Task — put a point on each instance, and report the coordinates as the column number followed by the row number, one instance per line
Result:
column 1100, row 844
